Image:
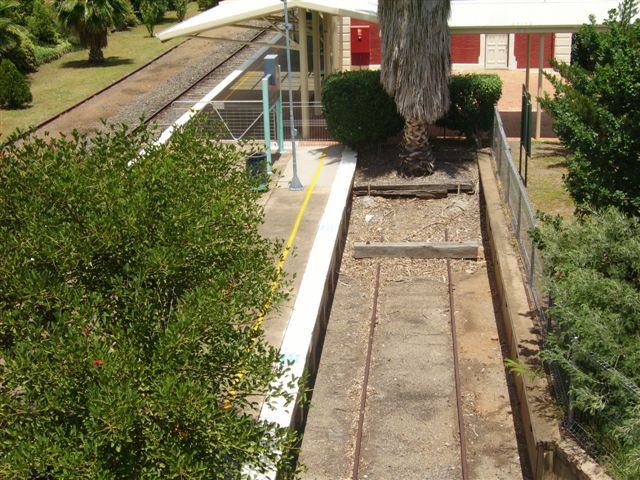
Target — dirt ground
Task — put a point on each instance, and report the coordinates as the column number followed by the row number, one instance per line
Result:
column 411, row 428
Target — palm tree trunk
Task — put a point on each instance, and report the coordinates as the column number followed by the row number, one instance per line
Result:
column 417, row 158
column 96, row 41
column 95, row 54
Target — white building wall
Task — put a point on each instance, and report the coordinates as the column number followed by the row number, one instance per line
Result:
column 563, row 47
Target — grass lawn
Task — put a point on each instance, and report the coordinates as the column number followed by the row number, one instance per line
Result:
column 545, row 185
column 62, row 83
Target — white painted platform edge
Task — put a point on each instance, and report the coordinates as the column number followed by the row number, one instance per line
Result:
column 213, row 93
column 302, row 323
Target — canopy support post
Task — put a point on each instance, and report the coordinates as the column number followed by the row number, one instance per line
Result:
column 540, row 68
column 266, row 116
column 327, row 43
column 304, row 70
column 315, row 27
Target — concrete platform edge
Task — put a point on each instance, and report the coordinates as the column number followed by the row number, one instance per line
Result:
column 311, row 309
column 550, row 455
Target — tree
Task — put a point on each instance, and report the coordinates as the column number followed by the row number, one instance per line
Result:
column 416, row 64
column 7, row 25
column 181, row 9
column 14, row 44
column 14, row 89
column 91, row 20
column 204, row 4
column 149, row 11
column 129, row 293
column 15, row 40
column 42, row 23
column 596, row 114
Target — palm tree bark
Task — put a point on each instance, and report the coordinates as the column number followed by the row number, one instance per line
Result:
column 95, row 52
column 416, row 65
column 417, row 158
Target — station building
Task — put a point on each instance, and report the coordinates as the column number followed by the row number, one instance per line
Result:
column 361, row 48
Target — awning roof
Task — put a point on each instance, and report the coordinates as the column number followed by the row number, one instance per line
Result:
column 467, row 16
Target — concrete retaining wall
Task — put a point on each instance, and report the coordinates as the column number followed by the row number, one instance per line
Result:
column 551, row 456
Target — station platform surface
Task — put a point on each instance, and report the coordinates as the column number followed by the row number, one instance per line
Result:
column 294, row 218
column 248, row 85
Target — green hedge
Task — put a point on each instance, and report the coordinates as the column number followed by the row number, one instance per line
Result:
column 128, row 298
column 46, row 54
column 357, row 109
column 472, row 99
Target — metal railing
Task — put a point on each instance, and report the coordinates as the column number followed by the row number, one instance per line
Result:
column 522, row 215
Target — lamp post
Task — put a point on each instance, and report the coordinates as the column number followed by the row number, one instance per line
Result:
column 295, row 183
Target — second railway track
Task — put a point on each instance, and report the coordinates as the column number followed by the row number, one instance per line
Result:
column 172, row 110
column 130, row 98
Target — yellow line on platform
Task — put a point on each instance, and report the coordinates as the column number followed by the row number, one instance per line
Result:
column 280, row 267
column 240, row 83
column 292, row 237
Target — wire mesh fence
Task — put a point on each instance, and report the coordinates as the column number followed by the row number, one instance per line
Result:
column 586, row 428
column 515, row 197
column 236, row 120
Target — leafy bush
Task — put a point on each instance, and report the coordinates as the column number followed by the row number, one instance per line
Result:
column 357, row 109
column 21, row 52
column 596, row 115
column 24, row 9
column 149, row 12
column 128, row 298
column 180, row 6
column 592, row 269
column 204, row 4
column 14, row 89
column 45, row 54
column 42, row 23
column 472, row 99
column 129, row 19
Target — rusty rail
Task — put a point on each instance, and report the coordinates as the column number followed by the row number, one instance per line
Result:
column 456, row 371
column 365, row 381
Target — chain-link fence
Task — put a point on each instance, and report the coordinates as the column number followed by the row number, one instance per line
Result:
column 587, row 429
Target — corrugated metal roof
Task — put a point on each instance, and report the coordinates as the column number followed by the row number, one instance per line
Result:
column 467, row 16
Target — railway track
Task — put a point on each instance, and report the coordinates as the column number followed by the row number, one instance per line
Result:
column 167, row 112
column 172, row 110
column 358, row 457
column 411, row 382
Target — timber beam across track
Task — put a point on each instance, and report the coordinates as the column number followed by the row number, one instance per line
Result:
column 460, row 250
column 419, row 190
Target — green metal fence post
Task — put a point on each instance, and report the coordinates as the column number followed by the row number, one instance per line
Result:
column 267, row 127
column 279, row 119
